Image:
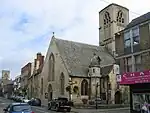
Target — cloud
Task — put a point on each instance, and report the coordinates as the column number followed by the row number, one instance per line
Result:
column 26, row 26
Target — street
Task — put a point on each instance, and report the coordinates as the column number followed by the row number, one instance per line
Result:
column 4, row 102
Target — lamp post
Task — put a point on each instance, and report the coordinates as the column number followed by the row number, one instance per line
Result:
column 70, row 86
column 96, row 94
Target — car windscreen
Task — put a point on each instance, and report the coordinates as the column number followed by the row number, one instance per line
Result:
column 17, row 108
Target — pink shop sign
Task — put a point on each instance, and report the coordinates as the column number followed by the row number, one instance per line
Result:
column 135, row 77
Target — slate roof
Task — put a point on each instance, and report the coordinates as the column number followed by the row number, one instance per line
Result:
column 139, row 20
column 106, row 70
column 77, row 56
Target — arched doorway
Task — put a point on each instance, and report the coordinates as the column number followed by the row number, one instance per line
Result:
column 118, row 97
column 50, row 92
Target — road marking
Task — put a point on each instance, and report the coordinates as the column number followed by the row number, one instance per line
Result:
column 37, row 107
column 2, row 103
column 40, row 111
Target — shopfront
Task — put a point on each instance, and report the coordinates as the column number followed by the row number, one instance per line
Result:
column 139, row 83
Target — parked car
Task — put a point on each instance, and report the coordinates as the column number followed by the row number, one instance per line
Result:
column 26, row 100
column 18, row 108
column 59, row 104
column 35, row 102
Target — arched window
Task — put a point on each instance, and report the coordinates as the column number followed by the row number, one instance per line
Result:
column 107, row 18
column 84, row 87
column 62, row 83
column 120, row 17
column 42, row 86
column 51, row 75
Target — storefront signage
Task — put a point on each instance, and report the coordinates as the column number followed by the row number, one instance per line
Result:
column 135, row 77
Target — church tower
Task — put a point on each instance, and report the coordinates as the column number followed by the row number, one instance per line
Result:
column 112, row 19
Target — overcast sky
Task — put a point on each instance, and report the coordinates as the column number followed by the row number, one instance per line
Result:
column 26, row 26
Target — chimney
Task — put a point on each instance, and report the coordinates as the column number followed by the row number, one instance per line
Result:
column 39, row 56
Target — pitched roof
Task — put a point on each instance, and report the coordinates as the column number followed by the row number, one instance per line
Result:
column 139, row 20
column 77, row 56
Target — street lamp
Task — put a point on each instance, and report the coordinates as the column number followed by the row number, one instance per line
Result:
column 70, row 87
column 96, row 94
column 96, row 86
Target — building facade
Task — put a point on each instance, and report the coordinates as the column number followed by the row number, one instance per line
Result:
column 79, row 71
column 133, row 56
column 17, row 85
column 133, row 44
column 25, row 74
column 34, row 79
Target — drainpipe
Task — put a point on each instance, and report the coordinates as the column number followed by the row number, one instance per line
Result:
column 132, row 57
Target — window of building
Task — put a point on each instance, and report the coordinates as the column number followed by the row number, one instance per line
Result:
column 135, row 36
column 42, row 86
column 62, row 83
column 107, row 18
column 129, row 64
column 84, row 87
column 127, row 40
column 93, row 70
column 145, row 59
column 138, row 63
column 120, row 17
column 51, row 68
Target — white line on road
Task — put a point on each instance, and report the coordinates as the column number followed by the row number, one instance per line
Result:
column 40, row 111
column 40, row 108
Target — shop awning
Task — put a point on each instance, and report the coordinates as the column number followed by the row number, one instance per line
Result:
column 134, row 78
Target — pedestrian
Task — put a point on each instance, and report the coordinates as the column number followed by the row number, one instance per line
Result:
column 145, row 108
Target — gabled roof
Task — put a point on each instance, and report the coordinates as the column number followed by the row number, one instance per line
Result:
column 77, row 56
column 139, row 20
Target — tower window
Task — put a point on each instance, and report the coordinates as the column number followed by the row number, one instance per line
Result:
column 93, row 70
column 107, row 18
column 120, row 17
column 122, row 20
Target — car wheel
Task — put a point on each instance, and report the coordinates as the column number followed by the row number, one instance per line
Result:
column 49, row 106
column 68, row 110
column 57, row 108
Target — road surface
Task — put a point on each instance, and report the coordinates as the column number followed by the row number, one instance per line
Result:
column 4, row 102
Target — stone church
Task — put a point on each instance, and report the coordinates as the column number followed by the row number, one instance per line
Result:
column 82, row 71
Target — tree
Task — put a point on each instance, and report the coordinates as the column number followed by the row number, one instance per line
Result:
column 75, row 89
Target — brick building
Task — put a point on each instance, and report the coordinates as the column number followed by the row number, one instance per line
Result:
column 133, row 56
column 25, row 74
column 34, row 79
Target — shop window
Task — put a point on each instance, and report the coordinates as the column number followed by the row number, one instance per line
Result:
column 140, row 100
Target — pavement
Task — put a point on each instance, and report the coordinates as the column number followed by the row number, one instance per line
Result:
column 5, row 102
